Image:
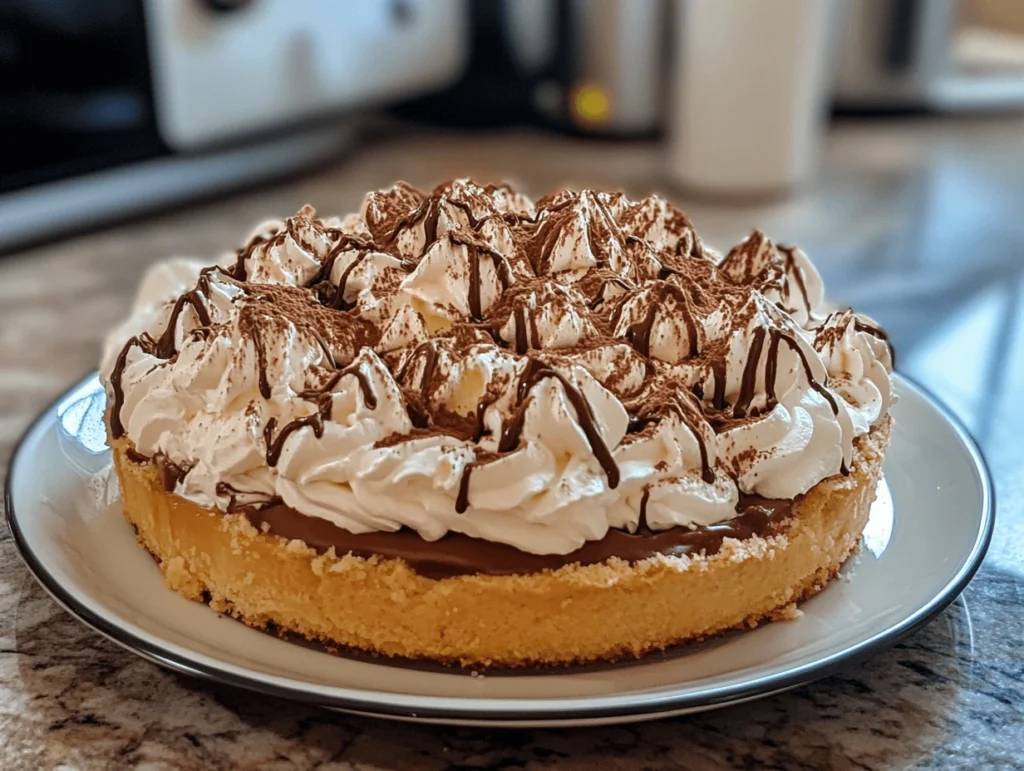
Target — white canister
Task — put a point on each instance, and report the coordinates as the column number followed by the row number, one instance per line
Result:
column 749, row 84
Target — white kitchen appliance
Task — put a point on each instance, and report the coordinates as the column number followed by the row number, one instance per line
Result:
column 121, row 106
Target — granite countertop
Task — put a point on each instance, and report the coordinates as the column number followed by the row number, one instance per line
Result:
column 916, row 222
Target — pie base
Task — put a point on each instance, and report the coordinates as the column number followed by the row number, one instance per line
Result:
column 606, row 612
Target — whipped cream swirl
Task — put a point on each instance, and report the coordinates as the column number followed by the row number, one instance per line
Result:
column 469, row 361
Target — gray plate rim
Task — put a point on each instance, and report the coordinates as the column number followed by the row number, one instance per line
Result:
column 637, row 708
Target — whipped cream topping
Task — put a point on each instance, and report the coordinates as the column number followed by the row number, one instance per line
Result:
column 470, row 361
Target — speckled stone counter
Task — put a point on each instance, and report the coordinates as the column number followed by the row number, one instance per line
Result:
column 917, row 223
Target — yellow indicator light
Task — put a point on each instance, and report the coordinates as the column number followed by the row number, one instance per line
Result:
column 592, row 103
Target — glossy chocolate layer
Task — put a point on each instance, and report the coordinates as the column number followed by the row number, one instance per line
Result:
column 460, row 555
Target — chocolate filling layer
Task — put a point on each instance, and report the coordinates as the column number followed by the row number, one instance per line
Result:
column 458, row 555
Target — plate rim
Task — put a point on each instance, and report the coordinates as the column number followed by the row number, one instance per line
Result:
column 473, row 708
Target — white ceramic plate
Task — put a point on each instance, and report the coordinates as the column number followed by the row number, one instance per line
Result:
column 926, row 537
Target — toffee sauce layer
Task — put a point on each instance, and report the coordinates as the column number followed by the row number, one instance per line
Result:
column 456, row 554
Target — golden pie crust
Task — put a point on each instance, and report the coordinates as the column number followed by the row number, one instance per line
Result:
column 610, row 611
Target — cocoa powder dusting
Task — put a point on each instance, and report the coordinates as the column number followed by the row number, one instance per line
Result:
column 607, row 318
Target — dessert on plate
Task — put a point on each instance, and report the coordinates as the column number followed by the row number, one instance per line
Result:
column 468, row 427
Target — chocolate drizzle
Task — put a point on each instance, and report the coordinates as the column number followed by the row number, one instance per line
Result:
column 338, row 301
column 347, row 242
column 689, row 414
column 165, row 346
column 267, row 240
column 641, row 524
column 144, row 342
column 527, row 336
column 792, row 269
column 820, row 388
column 742, row 408
column 639, row 334
column 475, row 251
column 718, row 371
column 462, row 499
column 428, row 350
column 522, row 343
column 881, row 334
column 749, row 381
column 328, row 353
column 543, row 241
column 238, row 271
column 324, row 401
column 171, row 474
column 706, row 472
column 533, row 373
column 354, row 369
column 275, row 445
column 256, row 334
column 429, row 213
column 135, row 456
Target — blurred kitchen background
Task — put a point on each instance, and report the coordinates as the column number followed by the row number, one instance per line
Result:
column 886, row 137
